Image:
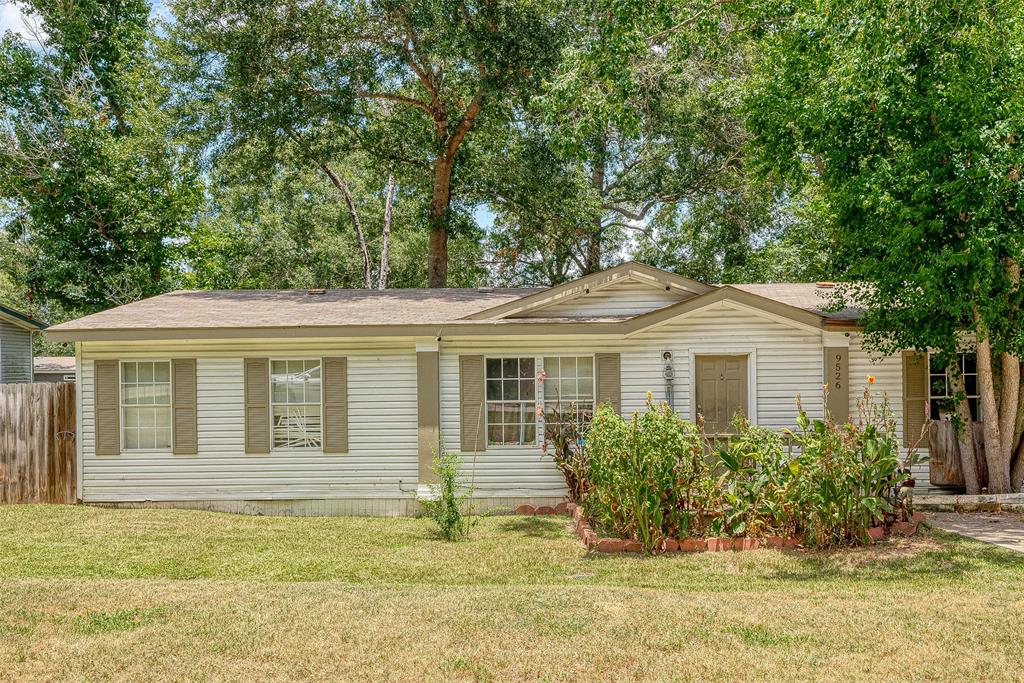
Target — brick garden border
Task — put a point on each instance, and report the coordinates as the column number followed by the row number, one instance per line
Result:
column 694, row 545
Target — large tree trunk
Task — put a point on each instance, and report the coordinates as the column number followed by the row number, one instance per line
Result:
column 385, row 235
column 962, row 427
column 437, row 249
column 1017, row 469
column 997, row 457
column 592, row 263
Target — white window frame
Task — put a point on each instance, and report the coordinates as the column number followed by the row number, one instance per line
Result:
column 537, row 397
column 271, row 404
column 936, row 397
column 122, row 405
column 538, row 392
column 542, row 394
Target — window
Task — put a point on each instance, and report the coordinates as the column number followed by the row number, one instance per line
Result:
column 569, row 384
column 146, row 405
column 939, row 390
column 295, row 403
column 511, row 393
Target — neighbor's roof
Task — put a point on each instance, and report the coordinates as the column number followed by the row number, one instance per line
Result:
column 255, row 313
column 20, row 319
column 809, row 296
column 54, row 364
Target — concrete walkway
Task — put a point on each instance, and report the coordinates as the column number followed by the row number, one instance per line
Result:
column 1003, row 529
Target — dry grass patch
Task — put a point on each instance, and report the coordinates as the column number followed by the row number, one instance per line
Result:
column 109, row 595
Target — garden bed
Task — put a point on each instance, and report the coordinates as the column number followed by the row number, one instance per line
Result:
column 593, row 541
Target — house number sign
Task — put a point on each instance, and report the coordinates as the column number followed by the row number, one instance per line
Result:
column 837, row 377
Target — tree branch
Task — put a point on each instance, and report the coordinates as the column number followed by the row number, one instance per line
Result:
column 475, row 106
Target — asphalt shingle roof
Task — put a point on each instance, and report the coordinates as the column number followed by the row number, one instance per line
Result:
column 196, row 309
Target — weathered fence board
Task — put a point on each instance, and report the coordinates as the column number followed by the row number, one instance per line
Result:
column 37, row 443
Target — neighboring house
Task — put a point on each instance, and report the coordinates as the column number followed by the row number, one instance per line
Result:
column 16, row 331
column 334, row 402
column 54, row 369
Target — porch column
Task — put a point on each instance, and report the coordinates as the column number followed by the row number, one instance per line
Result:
column 428, row 411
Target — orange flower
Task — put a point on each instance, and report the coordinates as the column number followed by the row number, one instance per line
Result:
column 871, row 379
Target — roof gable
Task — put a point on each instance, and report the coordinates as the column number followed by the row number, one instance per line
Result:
column 558, row 301
column 726, row 293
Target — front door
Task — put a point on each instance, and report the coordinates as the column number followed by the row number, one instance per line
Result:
column 721, row 391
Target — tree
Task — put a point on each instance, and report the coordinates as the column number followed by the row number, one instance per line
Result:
column 744, row 232
column 278, row 225
column 94, row 196
column 638, row 128
column 909, row 115
column 406, row 82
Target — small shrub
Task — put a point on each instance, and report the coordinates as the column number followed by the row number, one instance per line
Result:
column 448, row 506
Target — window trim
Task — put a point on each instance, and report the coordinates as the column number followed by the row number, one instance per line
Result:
column 536, row 397
column 121, row 404
column 933, row 397
column 540, row 396
column 270, row 405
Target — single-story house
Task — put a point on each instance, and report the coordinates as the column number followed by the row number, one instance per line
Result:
column 16, row 330
column 54, row 369
column 335, row 401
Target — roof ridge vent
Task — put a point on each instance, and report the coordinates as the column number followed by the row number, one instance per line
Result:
column 485, row 290
column 825, row 285
column 316, row 291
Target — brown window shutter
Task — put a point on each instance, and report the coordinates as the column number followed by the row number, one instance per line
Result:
column 185, row 440
column 472, row 429
column 334, row 385
column 257, row 405
column 106, row 396
column 915, row 395
column 609, row 389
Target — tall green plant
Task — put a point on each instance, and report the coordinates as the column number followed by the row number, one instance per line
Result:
column 656, row 476
column 448, row 504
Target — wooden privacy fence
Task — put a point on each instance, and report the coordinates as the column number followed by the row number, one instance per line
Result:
column 37, row 443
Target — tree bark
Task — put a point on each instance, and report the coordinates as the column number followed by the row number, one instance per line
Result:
column 962, row 427
column 385, row 235
column 1008, row 405
column 998, row 460
column 437, row 247
column 1017, row 469
column 364, row 252
column 593, row 261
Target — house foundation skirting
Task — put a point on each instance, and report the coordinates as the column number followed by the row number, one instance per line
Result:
column 329, row 507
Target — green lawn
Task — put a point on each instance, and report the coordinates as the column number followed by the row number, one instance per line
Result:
column 94, row 594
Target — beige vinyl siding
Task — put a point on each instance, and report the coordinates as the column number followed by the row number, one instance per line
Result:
column 15, row 353
column 786, row 360
column 624, row 298
column 888, row 374
column 381, row 462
